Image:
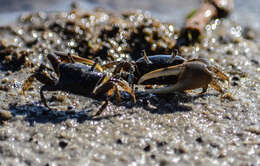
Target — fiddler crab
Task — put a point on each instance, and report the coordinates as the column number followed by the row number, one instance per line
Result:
column 174, row 71
column 77, row 78
column 87, row 78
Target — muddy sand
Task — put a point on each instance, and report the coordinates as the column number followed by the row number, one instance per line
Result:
column 183, row 129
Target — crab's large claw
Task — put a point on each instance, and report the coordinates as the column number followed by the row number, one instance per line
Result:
column 190, row 75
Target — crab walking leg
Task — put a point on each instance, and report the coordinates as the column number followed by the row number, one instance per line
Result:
column 221, row 75
column 127, row 89
column 105, row 103
column 110, row 65
column 100, row 85
column 102, row 108
column 120, row 65
column 146, row 58
column 113, row 89
column 66, row 58
column 46, row 88
column 113, row 84
column 215, row 85
column 126, row 66
column 27, row 84
column 118, row 98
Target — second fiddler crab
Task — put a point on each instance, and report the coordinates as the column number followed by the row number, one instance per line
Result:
column 174, row 71
column 87, row 78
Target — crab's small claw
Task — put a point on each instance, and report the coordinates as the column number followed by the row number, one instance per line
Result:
column 190, row 75
column 110, row 85
column 40, row 75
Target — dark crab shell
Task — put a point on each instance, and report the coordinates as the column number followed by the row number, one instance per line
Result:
column 78, row 78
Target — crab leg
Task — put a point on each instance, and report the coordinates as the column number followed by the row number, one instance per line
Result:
column 113, row 83
column 46, row 88
column 146, row 58
column 220, row 74
column 64, row 57
column 118, row 98
column 27, row 83
column 127, row 89
column 101, row 84
column 110, row 65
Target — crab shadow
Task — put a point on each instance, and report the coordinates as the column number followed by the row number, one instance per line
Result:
column 163, row 104
column 155, row 104
column 35, row 113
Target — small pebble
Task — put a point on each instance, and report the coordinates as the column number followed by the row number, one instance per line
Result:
column 147, row 148
column 249, row 34
column 5, row 115
column 63, row 144
column 4, row 88
column 254, row 129
column 4, row 80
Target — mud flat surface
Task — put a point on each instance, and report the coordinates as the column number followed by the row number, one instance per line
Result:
column 183, row 129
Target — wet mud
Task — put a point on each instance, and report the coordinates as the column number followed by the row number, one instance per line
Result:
column 179, row 128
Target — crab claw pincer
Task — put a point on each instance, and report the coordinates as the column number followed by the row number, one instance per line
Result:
column 192, row 74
